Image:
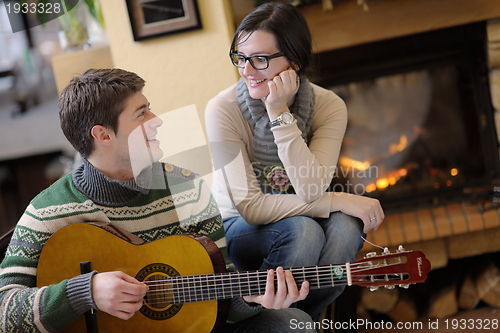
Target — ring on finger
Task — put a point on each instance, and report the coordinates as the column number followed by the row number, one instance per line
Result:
column 373, row 218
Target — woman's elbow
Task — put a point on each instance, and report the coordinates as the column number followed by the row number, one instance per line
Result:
column 252, row 219
column 252, row 216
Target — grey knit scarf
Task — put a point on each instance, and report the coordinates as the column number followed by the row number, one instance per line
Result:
column 254, row 111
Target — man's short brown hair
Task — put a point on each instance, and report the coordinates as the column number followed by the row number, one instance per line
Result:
column 97, row 97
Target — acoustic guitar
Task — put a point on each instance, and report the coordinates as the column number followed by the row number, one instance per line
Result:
column 188, row 285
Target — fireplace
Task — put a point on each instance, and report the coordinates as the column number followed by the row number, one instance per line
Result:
column 421, row 130
column 421, row 137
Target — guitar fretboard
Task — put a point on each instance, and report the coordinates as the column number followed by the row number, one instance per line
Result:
column 196, row 288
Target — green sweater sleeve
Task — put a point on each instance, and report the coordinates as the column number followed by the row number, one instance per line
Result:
column 23, row 306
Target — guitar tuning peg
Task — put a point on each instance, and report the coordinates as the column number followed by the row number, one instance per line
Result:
column 390, row 286
column 371, row 254
column 400, row 249
column 374, row 288
column 406, row 286
column 386, row 250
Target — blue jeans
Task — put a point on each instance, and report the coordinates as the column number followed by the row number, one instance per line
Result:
column 297, row 241
column 273, row 321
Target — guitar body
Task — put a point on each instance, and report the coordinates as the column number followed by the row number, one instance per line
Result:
column 184, row 255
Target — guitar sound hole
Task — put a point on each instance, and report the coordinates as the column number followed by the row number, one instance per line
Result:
column 159, row 302
column 160, row 294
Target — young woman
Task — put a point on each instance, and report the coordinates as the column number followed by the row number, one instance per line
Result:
column 275, row 140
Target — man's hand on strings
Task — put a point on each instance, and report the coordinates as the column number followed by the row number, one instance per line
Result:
column 287, row 292
column 118, row 294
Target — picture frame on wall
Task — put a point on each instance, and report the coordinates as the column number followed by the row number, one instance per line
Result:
column 155, row 18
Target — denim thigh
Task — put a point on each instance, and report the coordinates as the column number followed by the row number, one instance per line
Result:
column 292, row 242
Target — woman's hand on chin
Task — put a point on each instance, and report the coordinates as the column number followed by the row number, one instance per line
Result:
column 280, row 89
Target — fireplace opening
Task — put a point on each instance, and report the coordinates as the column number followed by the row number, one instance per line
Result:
column 420, row 121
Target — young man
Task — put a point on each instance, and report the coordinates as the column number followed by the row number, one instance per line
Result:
column 107, row 119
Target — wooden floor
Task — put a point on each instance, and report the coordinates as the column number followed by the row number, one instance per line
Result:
column 467, row 321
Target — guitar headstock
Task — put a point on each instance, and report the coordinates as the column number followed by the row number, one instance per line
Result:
column 390, row 269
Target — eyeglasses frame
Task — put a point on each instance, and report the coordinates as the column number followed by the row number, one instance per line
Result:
column 269, row 57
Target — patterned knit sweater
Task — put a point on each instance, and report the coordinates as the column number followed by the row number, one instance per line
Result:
column 171, row 201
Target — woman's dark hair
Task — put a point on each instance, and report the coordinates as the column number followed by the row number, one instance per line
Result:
column 97, row 97
column 288, row 26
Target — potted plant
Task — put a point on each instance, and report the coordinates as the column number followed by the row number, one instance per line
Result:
column 74, row 24
column 73, row 21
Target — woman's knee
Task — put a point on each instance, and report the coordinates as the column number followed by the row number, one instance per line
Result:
column 298, row 242
column 302, row 229
column 343, row 238
column 343, row 226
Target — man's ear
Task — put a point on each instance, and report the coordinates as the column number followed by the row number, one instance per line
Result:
column 101, row 134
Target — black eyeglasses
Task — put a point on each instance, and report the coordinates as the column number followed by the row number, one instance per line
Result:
column 258, row 62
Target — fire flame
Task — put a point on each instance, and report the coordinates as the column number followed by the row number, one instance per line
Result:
column 392, row 178
column 397, row 147
column 348, row 162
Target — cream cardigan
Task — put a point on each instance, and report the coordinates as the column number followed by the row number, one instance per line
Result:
column 309, row 167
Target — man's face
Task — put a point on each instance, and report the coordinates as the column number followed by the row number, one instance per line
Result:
column 136, row 135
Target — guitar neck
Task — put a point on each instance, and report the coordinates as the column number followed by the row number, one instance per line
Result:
column 372, row 271
column 196, row 288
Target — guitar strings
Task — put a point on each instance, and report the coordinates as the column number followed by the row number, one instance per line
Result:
column 185, row 296
column 375, row 245
column 224, row 277
column 305, row 270
column 319, row 278
column 253, row 274
column 191, row 288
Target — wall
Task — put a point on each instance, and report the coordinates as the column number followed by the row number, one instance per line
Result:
column 182, row 69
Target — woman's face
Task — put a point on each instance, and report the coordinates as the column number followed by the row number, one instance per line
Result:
column 261, row 42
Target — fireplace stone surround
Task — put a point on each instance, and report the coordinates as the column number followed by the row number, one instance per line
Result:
column 464, row 229
column 455, row 230
column 425, row 215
